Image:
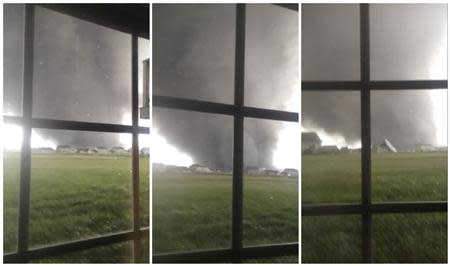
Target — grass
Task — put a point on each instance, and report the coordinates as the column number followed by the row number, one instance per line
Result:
column 75, row 197
column 395, row 178
column 192, row 212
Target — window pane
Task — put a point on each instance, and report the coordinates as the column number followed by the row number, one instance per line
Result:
column 116, row 253
column 82, row 189
column 193, row 51
column 144, row 177
column 82, row 70
column 144, row 81
column 408, row 41
column 271, row 73
column 330, row 42
column 11, row 181
column 13, row 37
column 331, row 143
column 270, row 182
column 410, row 238
column 409, row 145
column 331, row 239
column 191, row 181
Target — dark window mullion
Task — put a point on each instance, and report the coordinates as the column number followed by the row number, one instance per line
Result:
column 238, row 137
column 135, row 145
column 27, row 107
column 365, row 134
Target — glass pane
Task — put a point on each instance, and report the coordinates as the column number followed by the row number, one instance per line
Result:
column 331, row 239
column 270, row 182
column 144, row 175
column 331, row 147
column 116, row 253
column 410, row 238
column 144, row 81
column 408, row 41
column 13, row 37
column 193, row 51
column 330, row 42
column 192, row 177
column 80, row 186
column 11, row 183
column 271, row 73
column 409, row 145
column 82, row 70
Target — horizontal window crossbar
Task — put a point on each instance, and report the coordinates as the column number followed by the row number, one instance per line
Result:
column 75, row 125
column 225, row 255
column 388, row 207
column 60, row 249
column 221, row 108
column 374, row 85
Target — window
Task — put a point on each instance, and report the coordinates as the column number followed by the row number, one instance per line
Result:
column 76, row 168
column 374, row 164
column 206, row 180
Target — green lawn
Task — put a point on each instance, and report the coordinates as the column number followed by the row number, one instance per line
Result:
column 395, row 178
column 75, row 197
column 192, row 212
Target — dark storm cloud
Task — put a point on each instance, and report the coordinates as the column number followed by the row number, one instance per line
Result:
column 82, row 72
column 405, row 40
column 193, row 57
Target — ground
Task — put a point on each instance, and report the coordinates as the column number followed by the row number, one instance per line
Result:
column 75, row 197
column 395, row 177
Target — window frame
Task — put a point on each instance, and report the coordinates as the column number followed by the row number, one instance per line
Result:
column 28, row 122
column 238, row 111
column 365, row 85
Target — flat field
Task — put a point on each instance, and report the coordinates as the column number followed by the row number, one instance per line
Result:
column 192, row 212
column 75, row 197
column 400, row 177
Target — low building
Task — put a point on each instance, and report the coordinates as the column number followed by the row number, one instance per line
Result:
column 333, row 149
column 102, row 150
column 66, row 149
column 118, row 150
column 270, row 172
column 43, row 150
column 291, row 172
column 145, row 151
column 197, row 168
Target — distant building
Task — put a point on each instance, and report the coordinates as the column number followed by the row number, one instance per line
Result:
column 44, row 150
column 118, row 150
column 102, row 150
column 329, row 149
column 197, row 168
column 269, row 172
column 427, row 148
column 66, row 149
column 254, row 170
column 289, row 172
column 385, row 146
column 310, row 142
column 83, row 150
column 176, row 169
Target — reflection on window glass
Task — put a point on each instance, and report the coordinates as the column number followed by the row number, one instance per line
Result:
column 270, row 182
column 191, row 170
column 13, row 31
column 193, row 51
column 331, row 239
column 409, row 145
column 330, row 42
column 331, row 147
column 11, row 180
column 271, row 73
column 408, row 41
column 82, row 71
column 80, row 186
column 410, row 238
column 144, row 81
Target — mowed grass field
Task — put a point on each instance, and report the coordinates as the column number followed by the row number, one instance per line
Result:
column 192, row 212
column 75, row 197
column 419, row 237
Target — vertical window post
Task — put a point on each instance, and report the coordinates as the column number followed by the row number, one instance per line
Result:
column 238, row 145
column 365, row 134
column 135, row 145
column 27, row 108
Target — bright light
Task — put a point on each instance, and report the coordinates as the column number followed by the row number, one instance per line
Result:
column 439, row 97
column 12, row 138
column 163, row 152
column 286, row 154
